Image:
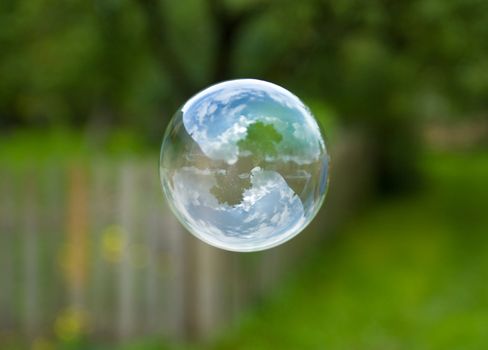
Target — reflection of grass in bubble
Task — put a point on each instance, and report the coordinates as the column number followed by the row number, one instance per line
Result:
column 230, row 187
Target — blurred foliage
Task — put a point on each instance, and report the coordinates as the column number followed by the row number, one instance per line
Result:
column 28, row 147
column 410, row 274
column 129, row 63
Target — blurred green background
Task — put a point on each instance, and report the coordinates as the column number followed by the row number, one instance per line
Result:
column 86, row 90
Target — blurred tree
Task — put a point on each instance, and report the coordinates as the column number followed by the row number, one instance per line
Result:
column 380, row 64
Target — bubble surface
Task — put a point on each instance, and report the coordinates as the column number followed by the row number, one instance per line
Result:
column 244, row 165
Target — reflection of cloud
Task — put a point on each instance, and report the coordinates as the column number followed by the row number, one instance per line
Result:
column 218, row 117
column 223, row 146
column 206, row 109
column 299, row 131
column 268, row 208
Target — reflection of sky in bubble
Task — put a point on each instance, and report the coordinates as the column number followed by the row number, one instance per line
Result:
column 219, row 119
column 255, row 171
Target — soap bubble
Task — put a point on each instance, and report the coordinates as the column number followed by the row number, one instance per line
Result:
column 244, row 165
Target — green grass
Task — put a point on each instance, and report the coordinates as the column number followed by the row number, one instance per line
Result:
column 38, row 146
column 410, row 273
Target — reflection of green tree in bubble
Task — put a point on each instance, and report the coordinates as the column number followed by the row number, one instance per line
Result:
column 260, row 141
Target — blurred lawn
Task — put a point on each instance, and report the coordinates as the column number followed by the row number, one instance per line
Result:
column 411, row 273
column 64, row 145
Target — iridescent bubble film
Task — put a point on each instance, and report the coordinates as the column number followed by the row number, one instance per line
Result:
column 244, row 165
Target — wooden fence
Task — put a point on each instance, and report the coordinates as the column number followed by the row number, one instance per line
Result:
column 91, row 249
